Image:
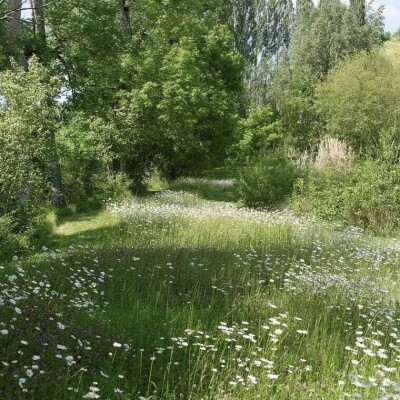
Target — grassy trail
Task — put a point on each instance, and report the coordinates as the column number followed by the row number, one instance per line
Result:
column 182, row 295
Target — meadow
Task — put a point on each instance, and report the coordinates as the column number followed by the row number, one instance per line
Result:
column 183, row 294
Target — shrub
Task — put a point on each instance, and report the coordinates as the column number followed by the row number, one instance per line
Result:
column 266, row 181
column 41, row 229
column 115, row 186
column 367, row 196
column 10, row 242
column 85, row 155
column 321, row 192
column 373, row 198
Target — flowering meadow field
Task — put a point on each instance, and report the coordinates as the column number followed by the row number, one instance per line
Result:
column 173, row 296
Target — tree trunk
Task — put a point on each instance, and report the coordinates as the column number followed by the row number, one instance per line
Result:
column 38, row 17
column 125, row 15
column 13, row 29
column 13, row 26
column 57, row 187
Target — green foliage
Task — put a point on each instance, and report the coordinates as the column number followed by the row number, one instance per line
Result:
column 367, row 196
column 186, row 95
column 85, row 155
column 293, row 96
column 323, row 35
column 10, row 242
column 266, row 181
column 328, row 33
column 41, row 229
column 320, row 192
column 27, row 118
column 359, row 8
column 262, row 31
column 85, row 39
column 360, row 101
column 257, row 133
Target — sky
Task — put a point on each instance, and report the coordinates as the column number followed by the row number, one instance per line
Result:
column 391, row 13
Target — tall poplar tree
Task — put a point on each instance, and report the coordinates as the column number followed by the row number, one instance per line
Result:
column 262, row 32
column 360, row 9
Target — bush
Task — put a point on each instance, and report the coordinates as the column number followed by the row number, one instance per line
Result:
column 10, row 242
column 321, row 192
column 367, row 196
column 41, row 229
column 85, row 155
column 110, row 186
column 266, row 181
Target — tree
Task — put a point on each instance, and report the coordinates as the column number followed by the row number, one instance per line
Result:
column 360, row 9
column 125, row 15
column 38, row 19
column 258, row 133
column 86, row 41
column 323, row 35
column 185, row 95
column 360, row 102
column 262, row 31
column 330, row 32
column 13, row 16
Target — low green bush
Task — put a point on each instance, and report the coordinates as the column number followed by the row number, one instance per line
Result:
column 41, row 229
column 110, row 186
column 65, row 212
column 10, row 242
column 266, row 181
column 321, row 192
column 367, row 196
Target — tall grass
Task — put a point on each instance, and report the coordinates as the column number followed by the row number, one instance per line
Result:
column 174, row 297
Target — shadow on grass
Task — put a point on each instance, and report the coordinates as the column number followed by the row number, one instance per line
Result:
column 205, row 189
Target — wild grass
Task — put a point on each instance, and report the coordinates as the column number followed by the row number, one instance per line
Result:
column 176, row 297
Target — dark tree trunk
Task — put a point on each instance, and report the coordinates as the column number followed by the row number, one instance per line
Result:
column 39, row 21
column 125, row 15
column 13, row 29
column 57, row 188
column 13, row 26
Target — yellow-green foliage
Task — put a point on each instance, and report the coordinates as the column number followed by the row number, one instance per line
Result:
column 391, row 51
column 27, row 119
column 360, row 101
